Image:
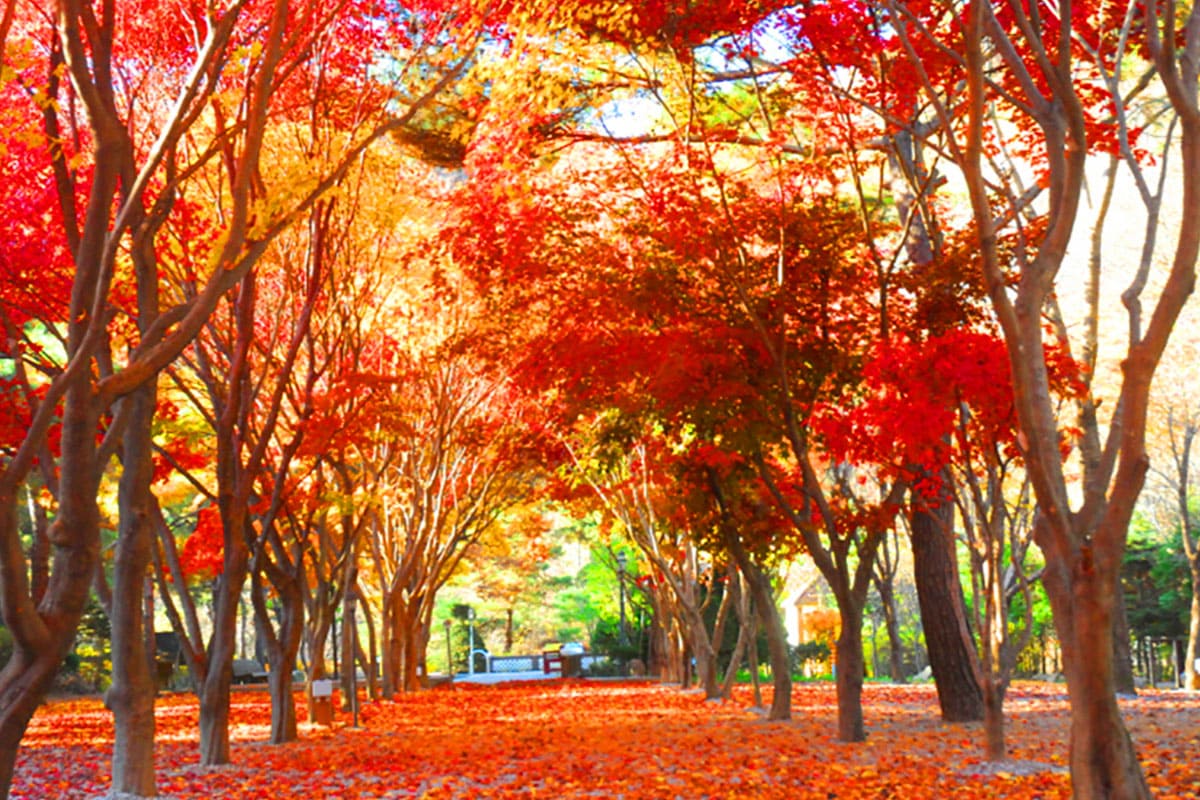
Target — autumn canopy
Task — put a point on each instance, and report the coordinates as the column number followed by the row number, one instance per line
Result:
column 327, row 322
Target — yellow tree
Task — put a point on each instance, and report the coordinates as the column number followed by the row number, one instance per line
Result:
column 456, row 462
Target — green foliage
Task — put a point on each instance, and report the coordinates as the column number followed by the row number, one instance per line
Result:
column 1043, row 618
column 1157, row 584
column 877, row 647
column 87, row 668
column 460, row 640
column 580, row 602
column 805, row 652
column 606, row 640
column 588, row 604
column 573, row 597
column 93, row 647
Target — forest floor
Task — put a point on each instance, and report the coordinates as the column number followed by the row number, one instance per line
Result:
column 576, row 739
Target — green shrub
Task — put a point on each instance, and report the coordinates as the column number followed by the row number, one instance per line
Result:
column 803, row 653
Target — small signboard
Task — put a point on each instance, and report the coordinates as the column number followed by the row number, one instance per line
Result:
column 322, row 688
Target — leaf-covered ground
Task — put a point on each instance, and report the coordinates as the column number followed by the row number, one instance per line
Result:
column 573, row 739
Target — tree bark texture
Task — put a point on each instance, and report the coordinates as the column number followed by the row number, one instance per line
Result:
column 1191, row 673
column 214, row 716
column 755, row 682
column 747, row 629
column 23, row 683
column 43, row 635
column 666, row 643
column 218, row 677
column 993, row 721
column 1122, row 648
column 704, row 652
column 680, row 601
column 373, row 654
column 768, row 613
column 283, row 706
column 131, row 696
column 39, row 549
column 948, row 640
column 850, row 667
column 1103, row 761
column 282, row 643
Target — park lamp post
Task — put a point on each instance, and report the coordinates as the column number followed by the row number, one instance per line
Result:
column 622, row 561
column 470, row 640
column 449, row 657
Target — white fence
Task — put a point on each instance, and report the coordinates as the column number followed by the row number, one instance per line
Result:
column 535, row 663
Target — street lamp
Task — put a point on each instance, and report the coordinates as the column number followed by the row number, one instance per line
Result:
column 622, row 561
column 449, row 657
column 470, row 641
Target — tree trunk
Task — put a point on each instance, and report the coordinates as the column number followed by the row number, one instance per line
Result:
column 993, row 720
column 349, row 638
column 401, row 655
column 282, row 646
column 23, row 683
column 679, row 613
column 412, row 678
column 387, row 648
column 704, row 652
column 355, row 659
column 214, row 717
column 1103, row 760
column 736, row 659
column 215, row 688
column 283, row 707
column 416, row 646
column 1191, row 679
column 746, row 630
column 948, row 639
column 755, row 681
column 662, row 660
column 317, row 632
column 850, row 667
column 425, row 634
column 353, row 684
column 406, row 636
column 656, row 647
column 149, row 638
column 39, row 549
column 131, row 696
column 670, row 651
column 373, row 653
column 1122, row 650
column 768, row 613
column 43, row 634
column 891, row 620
